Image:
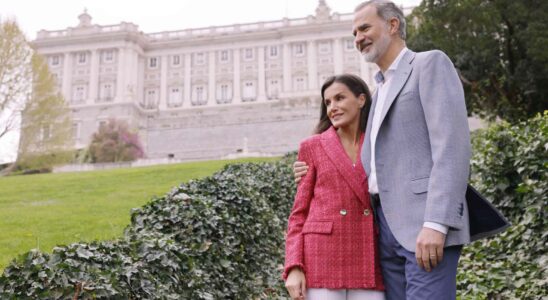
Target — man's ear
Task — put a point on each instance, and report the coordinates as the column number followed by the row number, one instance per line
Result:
column 394, row 25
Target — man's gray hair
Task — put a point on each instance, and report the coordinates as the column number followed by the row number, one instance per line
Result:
column 387, row 10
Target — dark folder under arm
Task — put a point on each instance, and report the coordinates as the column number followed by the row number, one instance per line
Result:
column 485, row 219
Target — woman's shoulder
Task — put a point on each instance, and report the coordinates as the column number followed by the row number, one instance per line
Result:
column 310, row 142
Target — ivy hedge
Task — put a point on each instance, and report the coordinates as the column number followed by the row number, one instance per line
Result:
column 510, row 167
column 222, row 237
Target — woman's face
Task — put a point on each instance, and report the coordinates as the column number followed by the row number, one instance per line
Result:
column 343, row 108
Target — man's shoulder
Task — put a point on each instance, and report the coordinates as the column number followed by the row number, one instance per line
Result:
column 431, row 55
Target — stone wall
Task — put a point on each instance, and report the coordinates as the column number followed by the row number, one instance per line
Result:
column 269, row 128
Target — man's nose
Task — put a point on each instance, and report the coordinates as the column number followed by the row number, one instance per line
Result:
column 358, row 39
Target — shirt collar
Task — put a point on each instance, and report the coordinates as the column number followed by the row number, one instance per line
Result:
column 380, row 77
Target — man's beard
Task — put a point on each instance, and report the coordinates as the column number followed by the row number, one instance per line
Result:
column 377, row 49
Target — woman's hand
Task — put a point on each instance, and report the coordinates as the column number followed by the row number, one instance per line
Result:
column 296, row 284
column 299, row 170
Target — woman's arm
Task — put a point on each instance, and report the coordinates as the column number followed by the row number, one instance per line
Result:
column 305, row 192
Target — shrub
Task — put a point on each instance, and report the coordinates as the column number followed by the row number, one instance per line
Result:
column 217, row 238
column 509, row 167
column 114, row 143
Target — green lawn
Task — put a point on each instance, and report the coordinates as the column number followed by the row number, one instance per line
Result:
column 42, row 211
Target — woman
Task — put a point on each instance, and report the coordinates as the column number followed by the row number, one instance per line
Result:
column 331, row 248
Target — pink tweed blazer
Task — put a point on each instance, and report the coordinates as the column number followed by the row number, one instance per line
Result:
column 331, row 232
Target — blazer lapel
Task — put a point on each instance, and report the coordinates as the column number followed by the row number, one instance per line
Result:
column 400, row 77
column 366, row 145
column 353, row 176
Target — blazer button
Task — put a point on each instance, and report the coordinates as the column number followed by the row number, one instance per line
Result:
column 343, row 212
column 366, row 212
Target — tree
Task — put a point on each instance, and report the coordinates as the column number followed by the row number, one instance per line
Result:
column 15, row 75
column 498, row 47
column 46, row 126
column 114, row 143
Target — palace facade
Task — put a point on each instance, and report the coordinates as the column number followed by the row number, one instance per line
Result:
column 203, row 93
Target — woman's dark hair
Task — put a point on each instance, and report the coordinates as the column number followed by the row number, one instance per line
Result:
column 358, row 87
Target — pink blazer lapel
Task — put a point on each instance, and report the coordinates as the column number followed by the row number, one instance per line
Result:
column 354, row 176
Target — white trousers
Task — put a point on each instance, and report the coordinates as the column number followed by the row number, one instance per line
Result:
column 351, row 294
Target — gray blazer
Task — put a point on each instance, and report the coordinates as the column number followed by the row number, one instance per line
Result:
column 422, row 150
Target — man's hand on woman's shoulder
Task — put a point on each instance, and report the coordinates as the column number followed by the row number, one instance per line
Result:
column 299, row 170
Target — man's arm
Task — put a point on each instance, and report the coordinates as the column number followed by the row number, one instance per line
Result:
column 442, row 99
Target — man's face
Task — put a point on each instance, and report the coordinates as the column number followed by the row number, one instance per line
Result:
column 371, row 34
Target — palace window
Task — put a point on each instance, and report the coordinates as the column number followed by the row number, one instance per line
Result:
column 45, row 132
column 108, row 56
column 325, row 47
column 199, row 96
column 249, row 93
column 54, row 60
column 299, row 84
column 82, row 58
column 78, row 93
column 175, row 97
column 76, row 131
column 273, row 89
column 223, row 56
column 248, row 54
column 273, row 51
column 298, row 49
column 176, row 60
column 199, row 58
column 224, row 93
column 151, row 98
column 349, row 45
column 153, row 62
column 107, row 92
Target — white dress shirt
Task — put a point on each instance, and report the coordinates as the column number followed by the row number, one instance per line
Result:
column 383, row 86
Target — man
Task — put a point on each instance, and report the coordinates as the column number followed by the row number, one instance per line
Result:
column 416, row 154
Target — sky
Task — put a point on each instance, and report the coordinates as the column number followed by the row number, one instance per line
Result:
column 155, row 16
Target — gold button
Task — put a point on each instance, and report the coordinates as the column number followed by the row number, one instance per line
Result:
column 343, row 212
column 366, row 212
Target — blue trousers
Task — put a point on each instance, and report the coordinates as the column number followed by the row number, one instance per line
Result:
column 404, row 279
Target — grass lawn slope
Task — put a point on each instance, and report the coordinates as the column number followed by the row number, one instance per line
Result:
column 42, row 211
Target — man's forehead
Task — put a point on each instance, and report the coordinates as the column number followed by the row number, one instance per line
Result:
column 365, row 14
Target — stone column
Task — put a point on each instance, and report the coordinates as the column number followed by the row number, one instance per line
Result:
column 187, row 85
column 131, row 73
column 287, row 67
column 312, row 63
column 236, row 89
column 162, row 103
column 94, row 77
column 120, row 75
column 140, row 92
column 365, row 73
column 261, row 95
column 211, row 85
column 67, row 77
column 337, row 56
